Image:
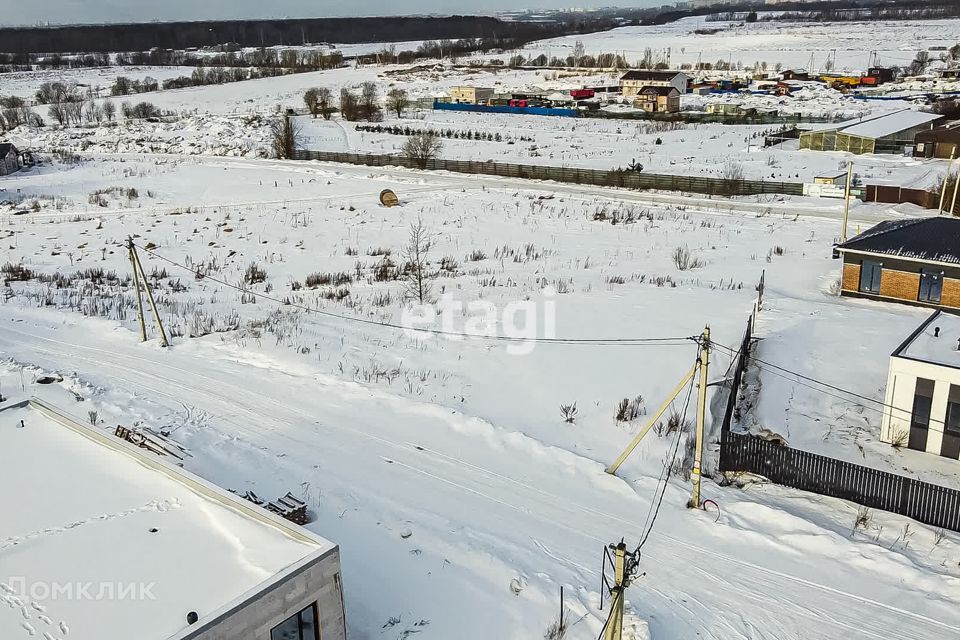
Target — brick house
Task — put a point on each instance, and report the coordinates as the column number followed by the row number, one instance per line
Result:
column 915, row 261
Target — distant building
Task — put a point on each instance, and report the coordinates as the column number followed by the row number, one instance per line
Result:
column 914, row 261
column 727, row 109
column 636, row 79
column 835, row 179
column 922, row 401
column 182, row 558
column 10, row 160
column 952, row 73
column 941, row 142
column 794, row 74
column 470, row 95
column 888, row 133
column 658, row 99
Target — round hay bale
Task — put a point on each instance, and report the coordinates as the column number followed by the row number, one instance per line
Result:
column 388, row 198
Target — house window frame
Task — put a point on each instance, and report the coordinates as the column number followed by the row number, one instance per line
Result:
column 930, row 275
column 312, row 607
column 876, row 268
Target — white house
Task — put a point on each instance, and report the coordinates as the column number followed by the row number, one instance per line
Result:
column 635, row 80
column 119, row 543
column 922, row 400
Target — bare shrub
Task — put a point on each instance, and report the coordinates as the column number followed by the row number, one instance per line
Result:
column 315, row 280
column 732, row 177
column 684, row 260
column 569, row 412
column 863, row 519
column 899, row 438
column 420, row 148
column 416, row 255
column 629, row 410
column 254, row 274
column 16, row 272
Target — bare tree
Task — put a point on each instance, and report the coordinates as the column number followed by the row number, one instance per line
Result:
column 422, row 147
column 370, row 102
column 397, row 100
column 284, row 137
column 312, row 101
column 732, row 177
column 920, row 63
column 416, row 268
column 109, row 110
column 349, row 105
column 578, row 52
column 325, row 102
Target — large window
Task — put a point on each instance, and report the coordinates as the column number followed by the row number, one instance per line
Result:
column 950, row 447
column 920, row 420
column 870, row 272
column 299, row 626
column 931, row 286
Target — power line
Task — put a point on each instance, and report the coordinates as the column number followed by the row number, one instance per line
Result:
column 668, row 342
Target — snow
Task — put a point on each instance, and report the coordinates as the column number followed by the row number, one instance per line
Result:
column 890, row 124
column 84, row 514
column 940, row 349
column 446, row 464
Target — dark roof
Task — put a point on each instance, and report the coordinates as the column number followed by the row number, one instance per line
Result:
column 660, row 91
column 934, row 239
column 5, row 148
column 635, row 74
column 947, row 133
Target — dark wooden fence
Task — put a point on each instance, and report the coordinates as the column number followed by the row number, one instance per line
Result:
column 924, row 502
column 897, row 195
column 615, row 178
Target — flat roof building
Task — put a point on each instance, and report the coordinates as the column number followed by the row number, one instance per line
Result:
column 106, row 541
column 888, row 133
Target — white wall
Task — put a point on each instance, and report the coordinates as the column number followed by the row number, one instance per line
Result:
column 901, row 386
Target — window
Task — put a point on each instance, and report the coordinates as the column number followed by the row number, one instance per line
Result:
column 920, row 420
column 950, row 447
column 870, row 272
column 299, row 626
column 931, row 286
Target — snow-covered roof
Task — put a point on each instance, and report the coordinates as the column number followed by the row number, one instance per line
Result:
column 105, row 541
column 935, row 341
column 935, row 239
column 890, row 124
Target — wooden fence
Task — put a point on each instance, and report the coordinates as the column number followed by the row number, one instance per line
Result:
column 615, row 178
column 919, row 197
column 924, row 502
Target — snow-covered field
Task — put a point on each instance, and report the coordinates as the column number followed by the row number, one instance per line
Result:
column 443, row 467
column 461, row 498
column 792, row 44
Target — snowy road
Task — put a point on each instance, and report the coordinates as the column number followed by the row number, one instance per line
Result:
column 484, row 504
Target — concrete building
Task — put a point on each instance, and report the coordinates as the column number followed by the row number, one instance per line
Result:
column 942, row 142
column 133, row 546
column 633, row 81
column 470, row 95
column 922, row 398
column 889, row 133
column 914, row 261
column 658, row 99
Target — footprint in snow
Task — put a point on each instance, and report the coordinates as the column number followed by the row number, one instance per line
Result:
column 28, row 628
column 64, row 629
column 38, row 606
column 47, row 636
column 25, row 612
column 44, row 619
column 6, row 587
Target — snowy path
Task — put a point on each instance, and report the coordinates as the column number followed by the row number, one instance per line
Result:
column 484, row 504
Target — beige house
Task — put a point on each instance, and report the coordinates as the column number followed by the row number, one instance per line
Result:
column 633, row 81
column 470, row 95
column 725, row 108
column 658, row 100
column 922, row 399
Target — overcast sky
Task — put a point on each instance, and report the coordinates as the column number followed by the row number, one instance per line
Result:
column 27, row 12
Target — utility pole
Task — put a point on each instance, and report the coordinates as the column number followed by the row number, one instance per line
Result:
column 138, row 268
column 613, row 630
column 956, row 187
column 701, row 414
column 846, row 202
column 946, row 180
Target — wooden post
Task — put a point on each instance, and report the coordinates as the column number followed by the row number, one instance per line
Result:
column 614, row 628
column 846, row 202
column 953, row 202
column 153, row 303
column 946, row 179
column 701, row 415
column 136, row 286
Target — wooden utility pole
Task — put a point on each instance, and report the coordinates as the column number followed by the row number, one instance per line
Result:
column 613, row 630
column 136, row 287
column 138, row 268
column 846, row 201
column 956, row 187
column 701, row 415
column 946, row 180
